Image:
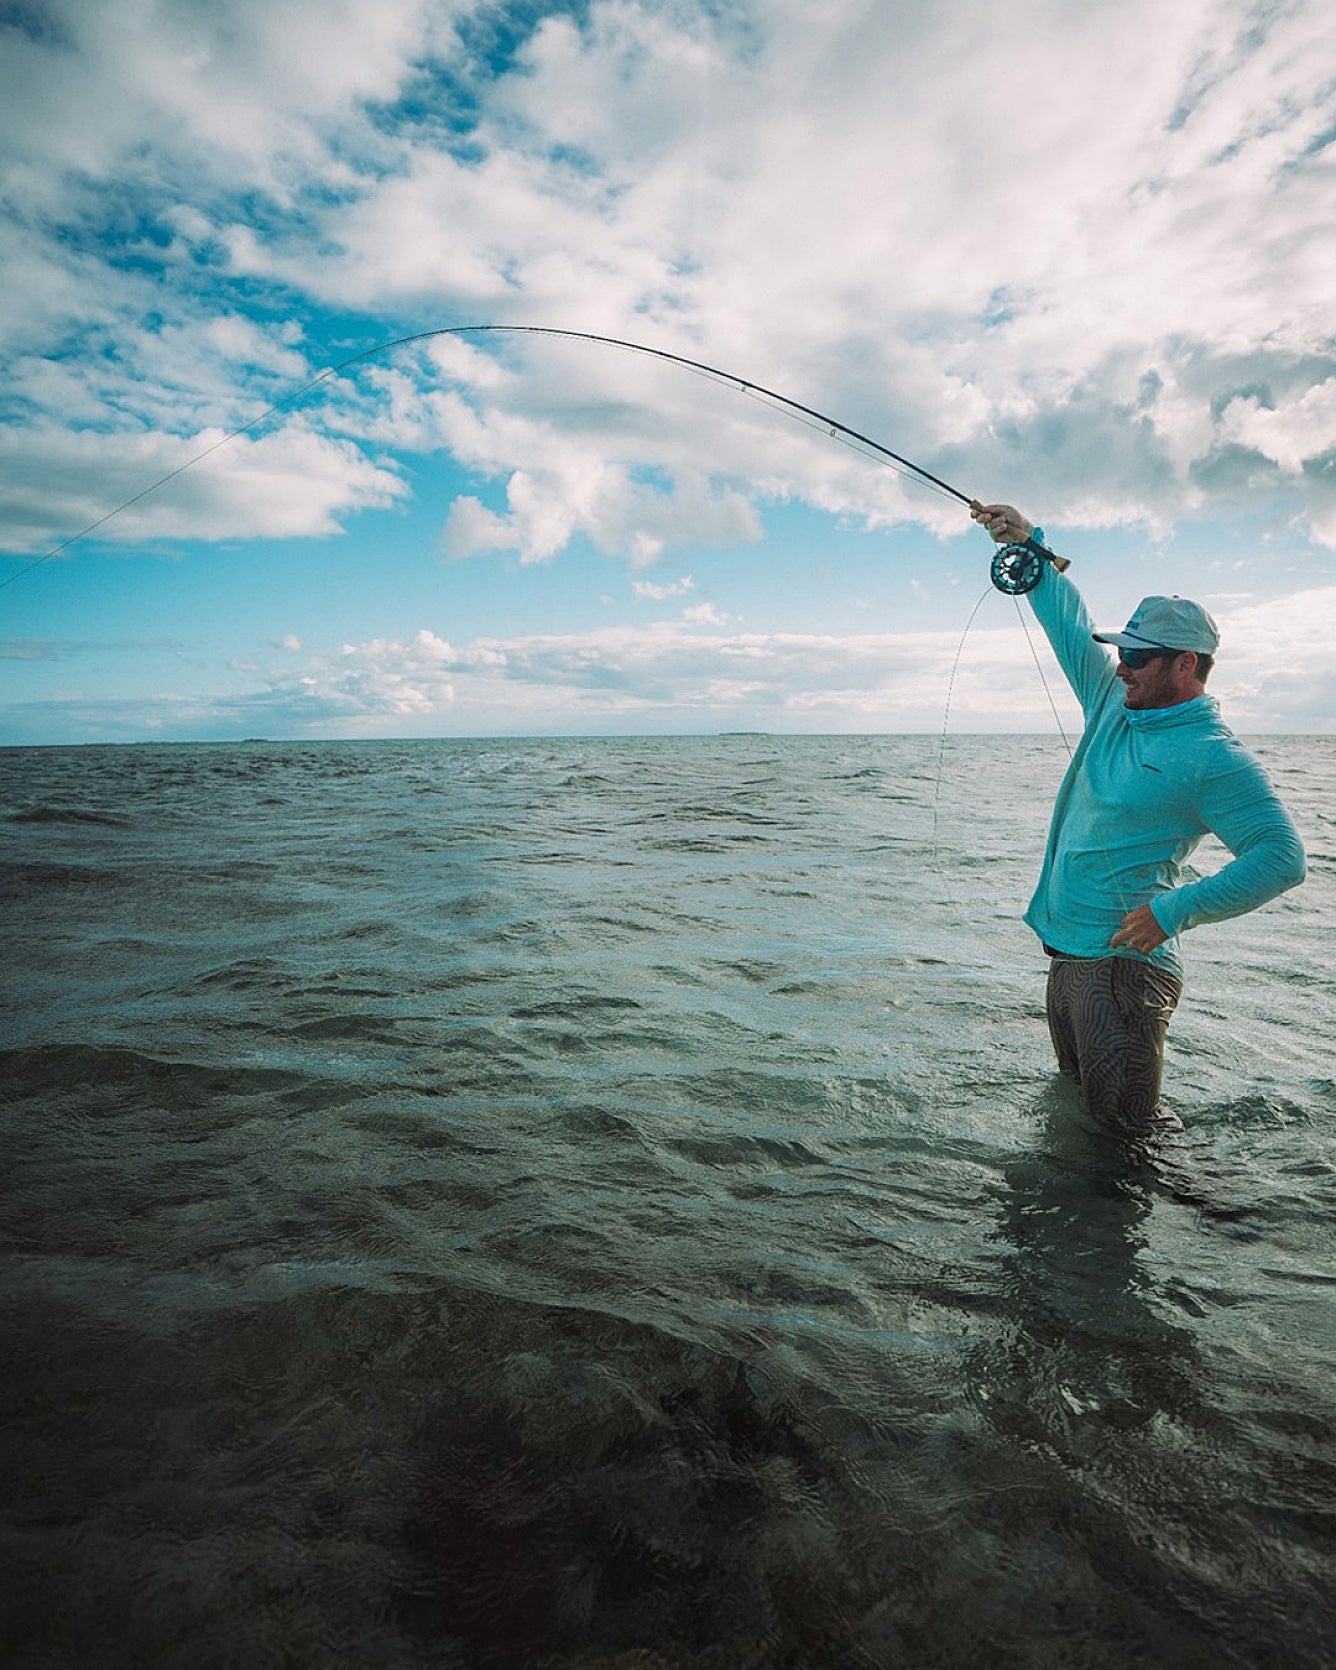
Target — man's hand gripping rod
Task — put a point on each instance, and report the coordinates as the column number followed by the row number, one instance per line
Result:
column 1017, row 567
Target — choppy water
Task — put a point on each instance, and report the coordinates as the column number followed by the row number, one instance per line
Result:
column 607, row 1203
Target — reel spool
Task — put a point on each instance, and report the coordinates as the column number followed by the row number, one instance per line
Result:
column 1017, row 568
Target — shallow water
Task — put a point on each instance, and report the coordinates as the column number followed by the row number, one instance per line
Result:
column 607, row 1203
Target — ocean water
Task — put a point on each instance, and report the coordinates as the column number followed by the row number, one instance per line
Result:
column 609, row 1204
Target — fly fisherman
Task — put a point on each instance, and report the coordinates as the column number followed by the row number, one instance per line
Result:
column 1155, row 770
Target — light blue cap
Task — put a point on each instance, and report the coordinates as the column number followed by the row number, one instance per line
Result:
column 1166, row 623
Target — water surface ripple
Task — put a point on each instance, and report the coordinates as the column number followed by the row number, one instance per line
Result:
column 607, row 1204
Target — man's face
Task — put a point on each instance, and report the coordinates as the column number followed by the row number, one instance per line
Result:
column 1164, row 682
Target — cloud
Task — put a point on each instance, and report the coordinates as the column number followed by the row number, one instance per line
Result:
column 1274, row 671
column 1111, row 299
column 245, row 88
column 656, row 593
column 573, row 488
column 1274, row 674
column 53, row 483
column 1061, row 292
column 1084, row 346
column 68, row 649
column 671, row 675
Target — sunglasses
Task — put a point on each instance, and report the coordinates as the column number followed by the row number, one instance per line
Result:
column 1136, row 659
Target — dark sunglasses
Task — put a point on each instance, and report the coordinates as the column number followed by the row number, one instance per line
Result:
column 1136, row 659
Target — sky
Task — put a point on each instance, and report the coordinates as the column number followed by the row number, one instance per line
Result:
column 1080, row 258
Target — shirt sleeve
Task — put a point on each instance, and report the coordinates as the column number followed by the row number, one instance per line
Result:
column 1060, row 610
column 1241, row 808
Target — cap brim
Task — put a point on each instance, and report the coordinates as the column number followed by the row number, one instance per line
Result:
column 1127, row 640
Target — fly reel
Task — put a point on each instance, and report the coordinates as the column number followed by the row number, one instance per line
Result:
column 1017, row 568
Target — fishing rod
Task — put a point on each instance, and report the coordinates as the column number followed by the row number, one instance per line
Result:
column 1015, row 569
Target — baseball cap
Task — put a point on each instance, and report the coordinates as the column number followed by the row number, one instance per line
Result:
column 1166, row 623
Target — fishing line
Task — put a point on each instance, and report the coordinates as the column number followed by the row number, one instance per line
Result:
column 1078, row 785
column 1039, row 668
column 808, row 415
column 180, row 469
column 946, row 716
column 1015, row 570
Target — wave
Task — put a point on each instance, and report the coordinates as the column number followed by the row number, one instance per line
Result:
column 70, row 815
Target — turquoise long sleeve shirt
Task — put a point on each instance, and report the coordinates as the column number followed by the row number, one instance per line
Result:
column 1142, row 790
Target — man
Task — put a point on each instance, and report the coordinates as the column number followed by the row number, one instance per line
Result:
column 1155, row 770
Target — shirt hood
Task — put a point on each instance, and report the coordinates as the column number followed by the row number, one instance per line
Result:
column 1194, row 712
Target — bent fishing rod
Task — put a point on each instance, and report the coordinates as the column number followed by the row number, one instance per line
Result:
column 1016, row 569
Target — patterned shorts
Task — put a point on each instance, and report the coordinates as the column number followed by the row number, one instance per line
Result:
column 1107, row 1017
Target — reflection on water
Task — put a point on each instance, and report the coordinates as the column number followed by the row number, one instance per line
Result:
column 1089, row 1347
